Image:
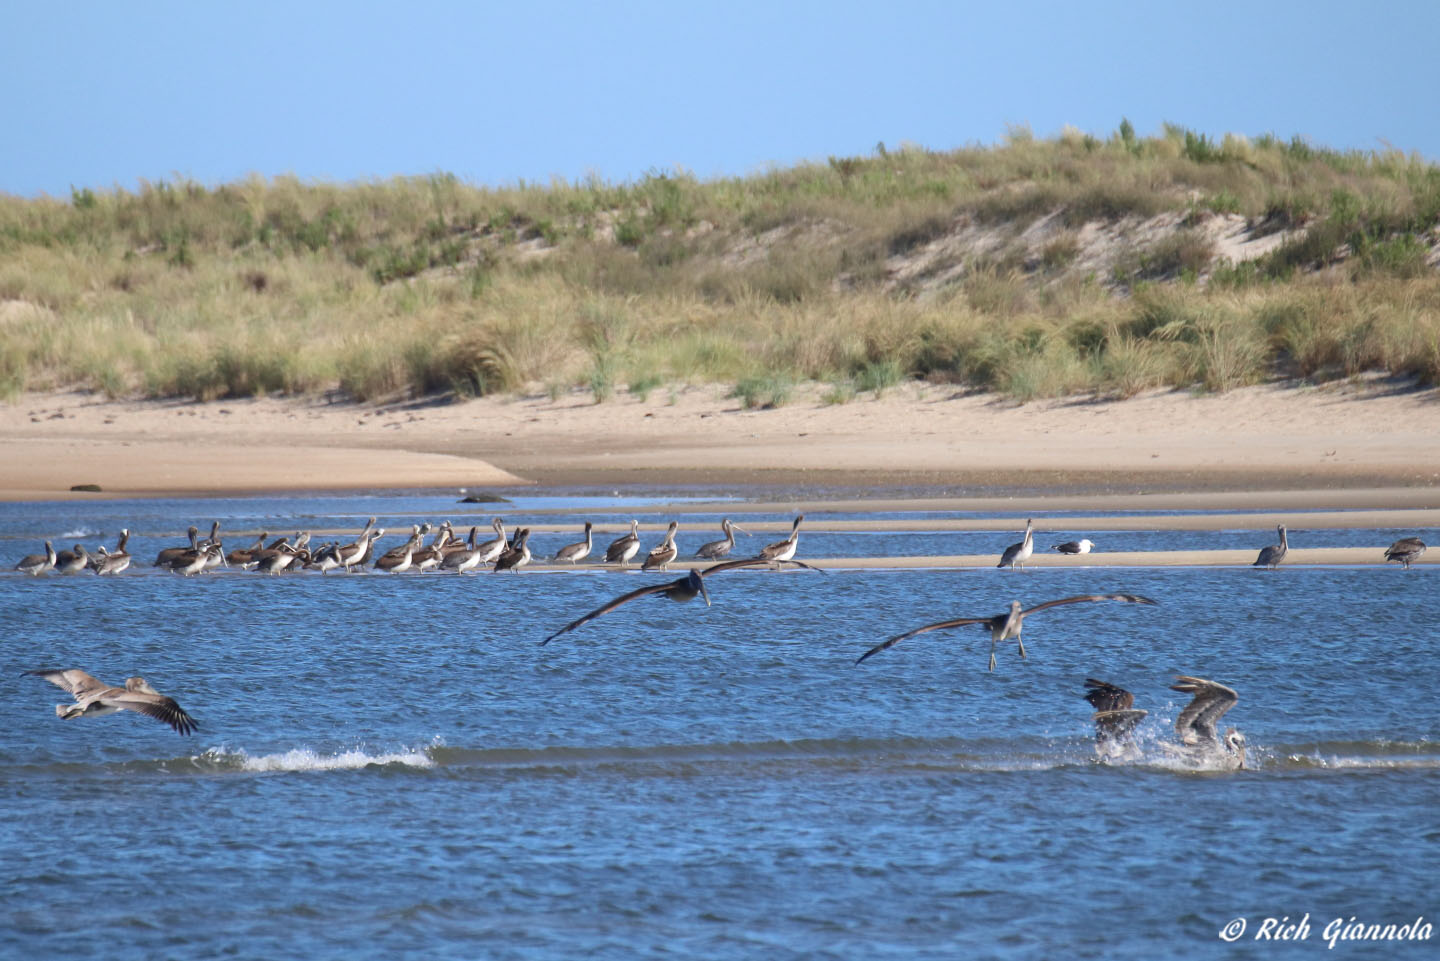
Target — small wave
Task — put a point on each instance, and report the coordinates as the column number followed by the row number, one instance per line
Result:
column 306, row 759
column 77, row 532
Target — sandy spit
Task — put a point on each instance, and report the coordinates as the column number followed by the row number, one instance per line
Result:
column 1350, row 436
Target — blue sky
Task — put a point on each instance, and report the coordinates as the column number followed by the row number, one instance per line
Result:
column 104, row 94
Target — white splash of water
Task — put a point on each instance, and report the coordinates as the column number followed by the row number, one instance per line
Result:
column 305, row 759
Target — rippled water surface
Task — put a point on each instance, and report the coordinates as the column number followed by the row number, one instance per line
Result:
column 392, row 766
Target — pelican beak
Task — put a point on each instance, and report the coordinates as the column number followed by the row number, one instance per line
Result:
column 704, row 591
column 737, row 527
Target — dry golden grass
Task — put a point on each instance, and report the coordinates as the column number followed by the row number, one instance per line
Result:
column 428, row 284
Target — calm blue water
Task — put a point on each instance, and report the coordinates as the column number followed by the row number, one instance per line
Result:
column 392, row 767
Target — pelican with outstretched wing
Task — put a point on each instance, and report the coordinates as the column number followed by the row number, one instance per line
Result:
column 1003, row 627
column 93, row 698
column 1196, row 724
column 687, row 588
column 1115, row 719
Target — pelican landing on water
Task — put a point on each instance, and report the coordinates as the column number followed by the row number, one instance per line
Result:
column 1275, row 553
column 1003, row 627
column 1407, row 550
column 93, row 698
column 1199, row 740
column 687, row 588
column 1115, row 720
column 1017, row 554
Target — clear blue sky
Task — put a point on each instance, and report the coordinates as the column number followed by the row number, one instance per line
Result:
column 103, row 94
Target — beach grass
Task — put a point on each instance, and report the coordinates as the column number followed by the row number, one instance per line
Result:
column 1037, row 267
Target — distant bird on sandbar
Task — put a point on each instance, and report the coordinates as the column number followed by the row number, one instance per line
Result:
column 686, row 588
column 717, row 549
column 1017, row 554
column 94, row 698
column 623, row 548
column 1083, row 546
column 783, row 550
column 575, row 553
column 37, row 564
column 662, row 554
column 1003, row 627
column 1273, row 554
column 1407, row 551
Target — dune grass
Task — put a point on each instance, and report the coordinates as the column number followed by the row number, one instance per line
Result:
column 837, row 272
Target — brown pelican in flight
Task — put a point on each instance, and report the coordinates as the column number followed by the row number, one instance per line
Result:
column 1115, row 719
column 93, row 697
column 1003, row 627
column 1196, row 724
column 1017, row 554
column 684, row 589
column 1406, row 550
column 1273, row 554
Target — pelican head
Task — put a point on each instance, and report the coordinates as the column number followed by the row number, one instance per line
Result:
column 696, row 581
column 1235, row 744
column 138, row 685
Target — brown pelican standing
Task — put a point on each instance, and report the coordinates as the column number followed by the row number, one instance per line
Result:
column 1017, row 554
column 94, row 698
column 1115, row 721
column 1083, row 546
column 168, row 555
column 72, row 562
column 210, row 555
column 1274, row 553
column 491, row 550
column 353, row 555
column 394, row 563
column 244, row 557
column 684, row 589
column 113, row 563
column 417, row 534
column 1407, row 550
column 1003, row 627
column 623, row 548
column 517, row 555
column 1196, row 724
column 783, row 550
column 464, row 558
column 429, row 558
column 574, row 553
column 37, row 564
column 660, row 556
column 722, row 547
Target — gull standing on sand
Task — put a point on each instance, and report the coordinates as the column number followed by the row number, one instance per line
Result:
column 1273, row 554
column 1083, row 546
column 37, row 564
column 1018, row 554
column 1003, row 627
column 95, row 698
column 1407, row 551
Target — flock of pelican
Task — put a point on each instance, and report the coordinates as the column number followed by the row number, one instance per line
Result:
column 1115, row 717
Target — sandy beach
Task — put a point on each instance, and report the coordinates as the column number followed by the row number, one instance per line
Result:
column 1236, row 448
